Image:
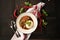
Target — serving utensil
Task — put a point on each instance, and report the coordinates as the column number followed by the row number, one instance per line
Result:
column 14, row 28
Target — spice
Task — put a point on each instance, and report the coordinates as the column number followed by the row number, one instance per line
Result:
column 45, row 13
column 30, row 4
column 40, row 19
column 15, row 13
column 44, row 23
column 27, row 3
column 26, row 7
column 21, row 10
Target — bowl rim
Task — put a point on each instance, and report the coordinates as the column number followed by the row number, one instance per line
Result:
column 34, row 18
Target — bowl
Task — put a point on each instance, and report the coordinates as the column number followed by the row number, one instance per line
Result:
column 20, row 29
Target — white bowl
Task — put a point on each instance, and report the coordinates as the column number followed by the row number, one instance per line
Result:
column 29, row 30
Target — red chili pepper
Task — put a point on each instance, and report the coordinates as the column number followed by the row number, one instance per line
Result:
column 40, row 23
column 14, row 14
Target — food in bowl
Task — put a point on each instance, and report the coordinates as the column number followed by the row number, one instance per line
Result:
column 26, row 22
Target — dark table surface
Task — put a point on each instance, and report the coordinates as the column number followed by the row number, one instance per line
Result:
column 7, row 7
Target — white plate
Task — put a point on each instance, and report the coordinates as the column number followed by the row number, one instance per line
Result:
column 30, row 30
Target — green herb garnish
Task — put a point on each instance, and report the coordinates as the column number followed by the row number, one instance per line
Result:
column 44, row 12
column 21, row 10
column 28, row 23
column 44, row 23
column 27, row 3
column 30, row 4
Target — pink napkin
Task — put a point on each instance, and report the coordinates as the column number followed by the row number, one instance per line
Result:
column 36, row 8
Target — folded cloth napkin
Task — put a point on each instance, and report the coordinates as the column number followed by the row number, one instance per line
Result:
column 34, row 10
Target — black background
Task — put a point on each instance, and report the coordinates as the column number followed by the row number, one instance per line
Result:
column 6, row 11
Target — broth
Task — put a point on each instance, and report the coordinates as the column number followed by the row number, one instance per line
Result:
column 26, row 22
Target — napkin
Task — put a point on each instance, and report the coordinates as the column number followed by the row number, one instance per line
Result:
column 36, row 8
